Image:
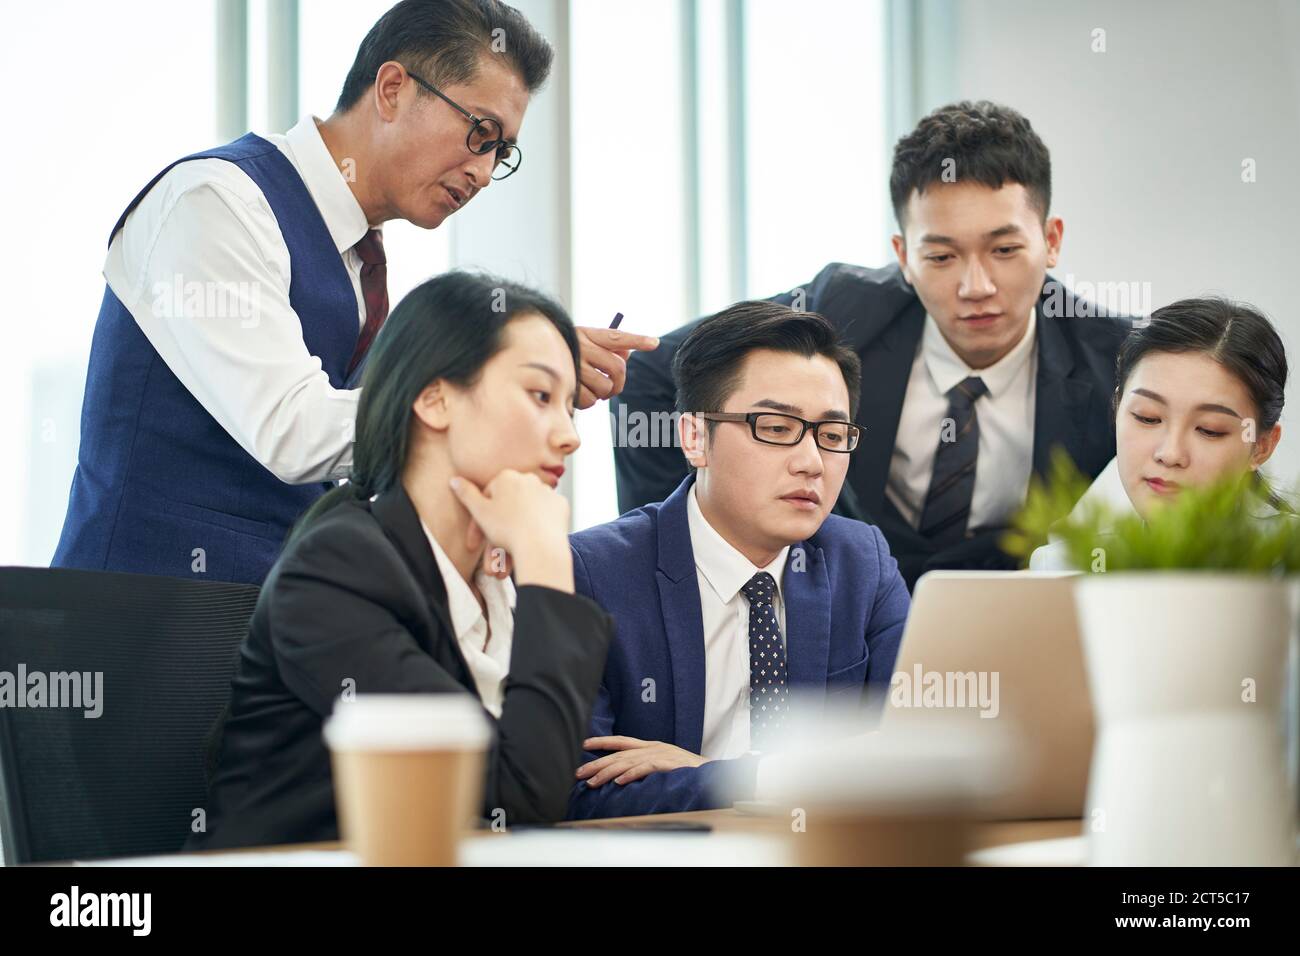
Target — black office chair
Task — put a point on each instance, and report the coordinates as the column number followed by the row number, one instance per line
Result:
column 128, row 781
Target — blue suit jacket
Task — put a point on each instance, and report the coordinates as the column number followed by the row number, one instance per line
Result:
column 844, row 617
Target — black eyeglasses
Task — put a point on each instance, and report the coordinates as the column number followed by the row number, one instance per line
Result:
column 775, row 428
column 484, row 137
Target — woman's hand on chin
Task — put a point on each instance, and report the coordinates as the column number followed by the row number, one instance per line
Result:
column 520, row 513
column 495, row 561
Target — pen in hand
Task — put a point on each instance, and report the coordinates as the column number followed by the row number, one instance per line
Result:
column 604, row 360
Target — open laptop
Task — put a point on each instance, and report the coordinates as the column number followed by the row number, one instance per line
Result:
column 1001, row 652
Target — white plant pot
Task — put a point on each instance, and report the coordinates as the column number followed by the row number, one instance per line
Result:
column 1187, row 770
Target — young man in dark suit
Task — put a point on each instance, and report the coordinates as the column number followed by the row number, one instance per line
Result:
column 741, row 587
column 975, row 363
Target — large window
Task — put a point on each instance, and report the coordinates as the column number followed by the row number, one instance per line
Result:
column 720, row 151
column 110, row 99
column 816, row 174
column 715, row 150
column 630, row 251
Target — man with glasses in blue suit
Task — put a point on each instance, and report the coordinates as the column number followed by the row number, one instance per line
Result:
column 740, row 598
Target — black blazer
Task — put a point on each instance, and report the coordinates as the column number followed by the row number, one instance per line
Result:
column 359, row 596
column 879, row 316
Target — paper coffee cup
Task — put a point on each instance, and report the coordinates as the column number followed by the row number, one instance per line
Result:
column 892, row 798
column 408, row 774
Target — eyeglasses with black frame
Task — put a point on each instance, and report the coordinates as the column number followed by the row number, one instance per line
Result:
column 484, row 137
column 777, row 428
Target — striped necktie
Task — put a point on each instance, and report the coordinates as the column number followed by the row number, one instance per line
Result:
column 952, row 485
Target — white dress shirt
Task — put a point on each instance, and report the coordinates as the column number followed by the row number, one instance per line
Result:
column 722, row 572
column 484, row 640
column 1006, row 424
column 1107, row 490
column 206, row 222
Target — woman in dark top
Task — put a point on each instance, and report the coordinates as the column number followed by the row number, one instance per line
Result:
column 385, row 585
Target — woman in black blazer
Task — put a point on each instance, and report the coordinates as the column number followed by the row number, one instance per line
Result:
column 463, row 425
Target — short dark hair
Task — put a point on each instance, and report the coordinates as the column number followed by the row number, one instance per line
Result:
column 987, row 143
column 443, row 40
column 1234, row 334
column 707, row 365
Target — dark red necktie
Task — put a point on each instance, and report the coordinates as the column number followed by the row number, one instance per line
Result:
column 374, row 289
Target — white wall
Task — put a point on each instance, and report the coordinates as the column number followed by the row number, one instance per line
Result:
column 1148, row 140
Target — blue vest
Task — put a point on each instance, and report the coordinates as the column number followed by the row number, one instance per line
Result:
column 157, row 478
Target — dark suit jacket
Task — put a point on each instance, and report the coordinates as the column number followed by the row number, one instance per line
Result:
column 845, row 606
column 358, row 596
column 879, row 316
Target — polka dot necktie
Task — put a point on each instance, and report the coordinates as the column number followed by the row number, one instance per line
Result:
column 767, row 685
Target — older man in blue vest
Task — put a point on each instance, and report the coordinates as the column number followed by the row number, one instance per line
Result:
column 245, row 284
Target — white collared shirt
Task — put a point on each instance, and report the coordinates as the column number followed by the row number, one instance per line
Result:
column 722, row 572
column 207, row 222
column 1006, row 424
column 485, row 641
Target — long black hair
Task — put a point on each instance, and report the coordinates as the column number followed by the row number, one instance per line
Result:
column 446, row 328
column 1236, row 335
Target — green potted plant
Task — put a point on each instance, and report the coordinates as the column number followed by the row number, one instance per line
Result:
column 1186, row 619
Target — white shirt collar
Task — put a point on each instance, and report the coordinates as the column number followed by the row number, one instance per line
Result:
column 464, row 607
column 343, row 215
column 725, row 568
column 947, row 369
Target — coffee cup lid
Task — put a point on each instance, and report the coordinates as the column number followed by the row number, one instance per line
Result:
column 408, row 722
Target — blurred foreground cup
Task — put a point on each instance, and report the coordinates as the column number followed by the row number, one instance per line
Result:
column 905, row 797
column 408, row 775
